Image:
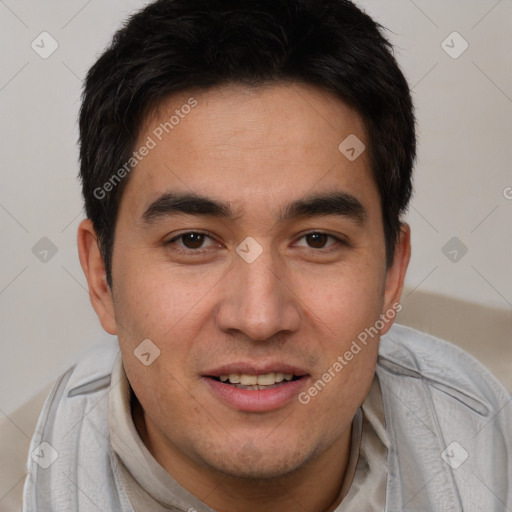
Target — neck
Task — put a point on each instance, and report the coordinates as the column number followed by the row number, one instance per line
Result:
column 315, row 486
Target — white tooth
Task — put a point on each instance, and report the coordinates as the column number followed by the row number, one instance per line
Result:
column 234, row 378
column 279, row 377
column 224, row 378
column 267, row 380
column 248, row 380
column 288, row 376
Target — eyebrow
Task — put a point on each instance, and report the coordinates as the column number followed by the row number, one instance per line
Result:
column 323, row 204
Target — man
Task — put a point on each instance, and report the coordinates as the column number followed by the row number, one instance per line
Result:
column 245, row 166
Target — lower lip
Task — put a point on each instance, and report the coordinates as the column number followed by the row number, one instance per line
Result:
column 252, row 400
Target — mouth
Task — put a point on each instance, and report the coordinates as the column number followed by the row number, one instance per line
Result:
column 256, row 390
column 256, row 382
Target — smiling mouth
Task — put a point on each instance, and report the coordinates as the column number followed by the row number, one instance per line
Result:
column 256, row 382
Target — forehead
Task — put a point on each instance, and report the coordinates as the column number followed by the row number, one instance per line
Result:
column 251, row 145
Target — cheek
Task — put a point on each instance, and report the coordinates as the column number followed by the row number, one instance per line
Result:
column 349, row 296
column 170, row 308
column 155, row 301
column 345, row 310
column 342, row 382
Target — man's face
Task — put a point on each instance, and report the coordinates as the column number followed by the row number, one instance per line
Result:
column 291, row 298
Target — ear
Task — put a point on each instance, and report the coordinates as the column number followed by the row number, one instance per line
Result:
column 396, row 273
column 93, row 266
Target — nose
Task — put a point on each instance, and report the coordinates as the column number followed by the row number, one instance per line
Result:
column 257, row 301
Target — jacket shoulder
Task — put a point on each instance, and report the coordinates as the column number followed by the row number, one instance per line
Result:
column 74, row 415
column 449, row 422
column 411, row 353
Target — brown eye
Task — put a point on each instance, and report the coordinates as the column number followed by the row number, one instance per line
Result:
column 193, row 240
column 317, row 240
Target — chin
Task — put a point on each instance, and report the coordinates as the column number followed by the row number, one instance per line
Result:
column 251, row 463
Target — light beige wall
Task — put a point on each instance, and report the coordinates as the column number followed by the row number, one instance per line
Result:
column 463, row 177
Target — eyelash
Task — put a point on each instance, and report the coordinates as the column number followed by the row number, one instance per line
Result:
column 181, row 250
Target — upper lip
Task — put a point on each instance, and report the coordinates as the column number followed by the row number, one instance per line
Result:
column 251, row 368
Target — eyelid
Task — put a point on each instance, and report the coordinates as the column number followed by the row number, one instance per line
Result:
column 339, row 240
column 190, row 231
column 179, row 248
